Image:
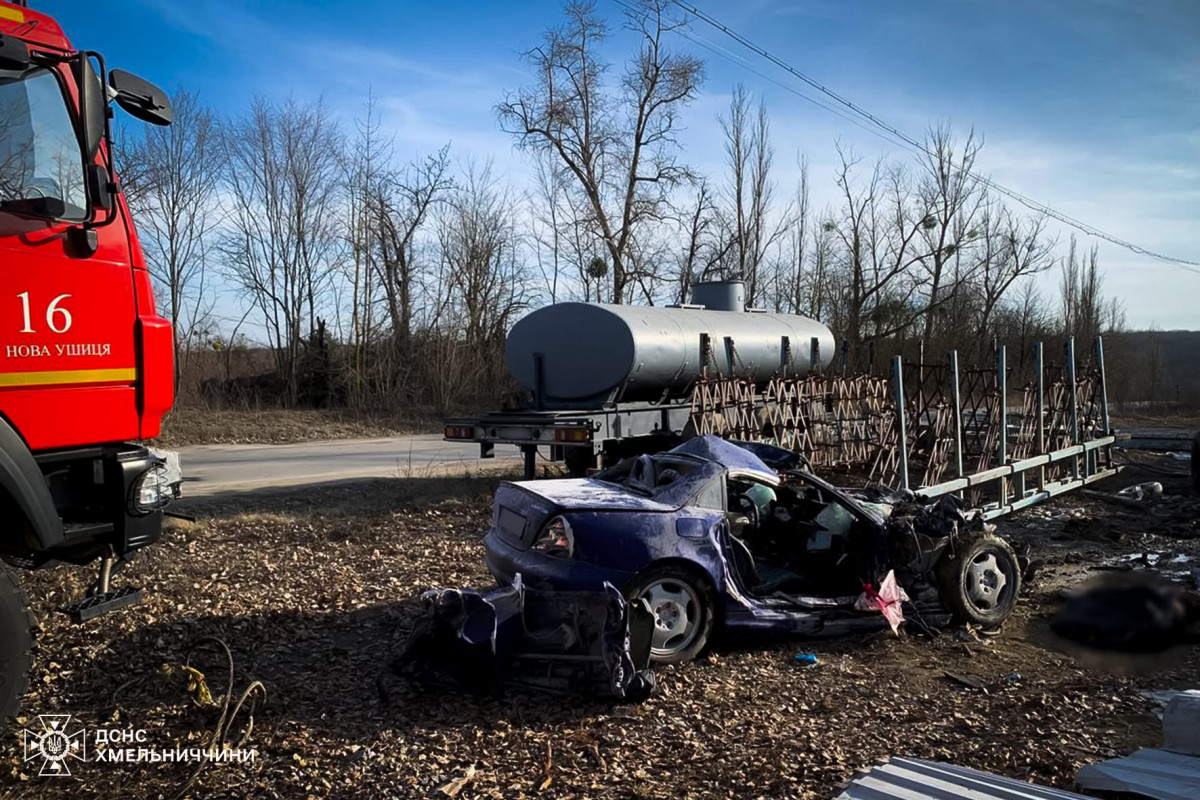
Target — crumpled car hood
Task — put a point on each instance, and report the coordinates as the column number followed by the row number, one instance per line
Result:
column 590, row 494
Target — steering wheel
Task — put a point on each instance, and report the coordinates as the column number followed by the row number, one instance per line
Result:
column 45, row 187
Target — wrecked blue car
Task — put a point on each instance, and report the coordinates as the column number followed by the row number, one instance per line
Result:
column 718, row 535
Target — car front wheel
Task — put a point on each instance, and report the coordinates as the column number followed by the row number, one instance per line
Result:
column 682, row 604
column 980, row 580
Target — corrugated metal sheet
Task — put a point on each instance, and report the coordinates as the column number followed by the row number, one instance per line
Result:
column 916, row 779
column 1152, row 773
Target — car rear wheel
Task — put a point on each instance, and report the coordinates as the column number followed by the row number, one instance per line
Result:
column 682, row 604
column 16, row 625
column 980, row 580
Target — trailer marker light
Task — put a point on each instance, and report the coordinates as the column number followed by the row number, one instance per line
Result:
column 572, row 434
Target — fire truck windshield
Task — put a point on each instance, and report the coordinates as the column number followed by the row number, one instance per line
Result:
column 41, row 163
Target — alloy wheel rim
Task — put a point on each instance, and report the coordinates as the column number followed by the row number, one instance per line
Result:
column 676, row 609
column 987, row 585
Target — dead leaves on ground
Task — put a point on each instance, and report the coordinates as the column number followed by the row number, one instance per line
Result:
column 317, row 605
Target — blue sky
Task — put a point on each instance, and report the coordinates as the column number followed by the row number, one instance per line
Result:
column 1092, row 106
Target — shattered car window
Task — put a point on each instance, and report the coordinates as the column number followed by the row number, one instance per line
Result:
column 711, row 497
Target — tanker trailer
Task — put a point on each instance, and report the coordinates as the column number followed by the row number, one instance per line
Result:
column 609, row 381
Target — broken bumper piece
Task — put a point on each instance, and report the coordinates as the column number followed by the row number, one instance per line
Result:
column 586, row 642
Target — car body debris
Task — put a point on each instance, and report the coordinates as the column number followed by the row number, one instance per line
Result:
column 918, row 779
column 514, row 637
column 1169, row 773
column 1149, row 772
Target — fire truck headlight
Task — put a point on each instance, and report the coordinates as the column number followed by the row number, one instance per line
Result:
column 152, row 490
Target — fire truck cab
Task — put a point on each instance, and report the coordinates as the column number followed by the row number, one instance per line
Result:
column 85, row 360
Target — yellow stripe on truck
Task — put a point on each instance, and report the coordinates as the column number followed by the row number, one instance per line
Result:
column 67, row 376
column 12, row 14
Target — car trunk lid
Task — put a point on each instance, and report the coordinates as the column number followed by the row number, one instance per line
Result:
column 522, row 509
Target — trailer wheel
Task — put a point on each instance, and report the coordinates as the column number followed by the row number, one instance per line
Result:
column 16, row 642
column 980, row 580
column 578, row 460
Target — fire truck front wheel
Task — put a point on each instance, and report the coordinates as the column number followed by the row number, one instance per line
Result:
column 16, row 642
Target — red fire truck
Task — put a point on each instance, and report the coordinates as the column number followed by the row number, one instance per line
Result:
column 85, row 360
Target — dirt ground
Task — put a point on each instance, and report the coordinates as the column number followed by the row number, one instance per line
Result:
column 314, row 593
column 189, row 425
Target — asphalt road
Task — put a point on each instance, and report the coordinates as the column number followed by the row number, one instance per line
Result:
column 220, row 468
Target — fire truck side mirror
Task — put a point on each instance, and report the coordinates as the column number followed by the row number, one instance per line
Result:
column 14, row 54
column 140, row 98
column 92, row 105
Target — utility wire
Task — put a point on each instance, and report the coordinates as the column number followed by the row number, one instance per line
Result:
column 872, row 119
column 733, row 57
column 745, row 64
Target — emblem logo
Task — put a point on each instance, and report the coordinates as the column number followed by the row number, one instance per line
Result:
column 55, row 744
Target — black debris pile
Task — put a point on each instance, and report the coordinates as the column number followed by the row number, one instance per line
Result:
column 1139, row 613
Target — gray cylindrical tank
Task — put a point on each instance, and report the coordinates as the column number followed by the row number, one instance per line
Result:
column 592, row 352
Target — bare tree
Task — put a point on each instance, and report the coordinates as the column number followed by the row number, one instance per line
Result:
column 1011, row 248
column 618, row 144
column 698, row 220
column 1081, row 294
column 480, row 251
column 174, row 172
column 365, row 169
column 951, row 198
column 749, row 193
column 283, row 182
column 797, row 284
column 879, row 236
column 545, row 201
column 403, row 204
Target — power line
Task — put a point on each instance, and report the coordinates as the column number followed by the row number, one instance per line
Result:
column 875, row 121
column 721, row 51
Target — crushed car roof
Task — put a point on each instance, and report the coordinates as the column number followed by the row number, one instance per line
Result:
column 738, row 460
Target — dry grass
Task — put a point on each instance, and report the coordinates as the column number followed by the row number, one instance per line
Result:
column 1165, row 417
column 200, row 425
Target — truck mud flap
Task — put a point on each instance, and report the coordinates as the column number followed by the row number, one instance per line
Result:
column 591, row 642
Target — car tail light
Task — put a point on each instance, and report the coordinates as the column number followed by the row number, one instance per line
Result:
column 556, row 539
column 459, row 432
column 572, row 435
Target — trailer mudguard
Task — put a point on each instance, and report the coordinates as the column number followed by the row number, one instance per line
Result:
column 21, row 478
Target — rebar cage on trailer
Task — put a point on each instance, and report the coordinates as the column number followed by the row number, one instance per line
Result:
column 937, row 428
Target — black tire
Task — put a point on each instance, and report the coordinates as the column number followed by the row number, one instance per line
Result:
column 698, row 601
column 16, row 644
column 1196, row 462
column 578, row 460
column 980, row 580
